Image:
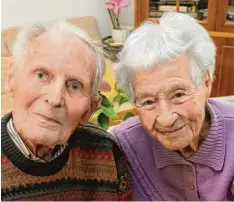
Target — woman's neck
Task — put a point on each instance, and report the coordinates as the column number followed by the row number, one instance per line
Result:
column 192, row 148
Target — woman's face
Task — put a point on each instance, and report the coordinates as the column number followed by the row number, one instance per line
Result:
column 171, row 107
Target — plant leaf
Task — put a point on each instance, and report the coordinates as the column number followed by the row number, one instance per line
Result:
column 121, row 99
column 119, row 90
column 103, row 121
column 109, row 111
column 127, row 115
column 94, row 117
column 105, row 102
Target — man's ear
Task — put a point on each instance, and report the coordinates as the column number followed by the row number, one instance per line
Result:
column 208, row 84
column 9, row 82
column 95, row 103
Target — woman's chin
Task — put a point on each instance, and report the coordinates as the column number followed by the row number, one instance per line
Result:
column 175, row 143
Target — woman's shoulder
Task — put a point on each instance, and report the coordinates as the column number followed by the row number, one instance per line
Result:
column 226, row 107
column 131, row 125
column 130, row 133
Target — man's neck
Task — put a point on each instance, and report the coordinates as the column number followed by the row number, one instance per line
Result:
column 40, row 151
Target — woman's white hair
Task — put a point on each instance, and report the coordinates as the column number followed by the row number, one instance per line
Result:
column 32, row 31
column 153, row 43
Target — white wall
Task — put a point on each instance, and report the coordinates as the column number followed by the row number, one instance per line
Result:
column 127, row 14
column 19, row 12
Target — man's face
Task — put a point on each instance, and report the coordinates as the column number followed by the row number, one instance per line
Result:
column 52, row 92
column 170, row 106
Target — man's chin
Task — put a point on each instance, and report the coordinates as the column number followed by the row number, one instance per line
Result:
column 44, row 137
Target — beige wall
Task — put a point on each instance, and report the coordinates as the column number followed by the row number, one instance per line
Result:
column 19, row 12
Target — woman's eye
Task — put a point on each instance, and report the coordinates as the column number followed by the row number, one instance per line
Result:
column 179, row 95
column 147, row 103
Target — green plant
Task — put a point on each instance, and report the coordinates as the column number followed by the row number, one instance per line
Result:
column 109, row 110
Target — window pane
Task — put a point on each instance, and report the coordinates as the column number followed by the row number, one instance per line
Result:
column 230, row 12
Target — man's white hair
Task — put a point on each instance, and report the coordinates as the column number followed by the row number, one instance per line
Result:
column 152, row 43
column 30, row 32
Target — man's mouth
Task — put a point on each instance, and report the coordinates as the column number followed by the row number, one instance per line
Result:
column 49, row 118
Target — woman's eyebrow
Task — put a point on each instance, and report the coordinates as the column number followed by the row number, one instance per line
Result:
column 177, row 87
column 145, row 94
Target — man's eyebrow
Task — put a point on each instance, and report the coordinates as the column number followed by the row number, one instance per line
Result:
column 40, row 67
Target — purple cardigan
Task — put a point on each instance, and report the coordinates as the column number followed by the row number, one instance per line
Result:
column 159, row 174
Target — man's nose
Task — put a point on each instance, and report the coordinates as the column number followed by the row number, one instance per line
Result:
column 166, row 117
column 55, row 96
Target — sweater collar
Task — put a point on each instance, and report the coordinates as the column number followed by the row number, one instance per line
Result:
column 12, row 152
column 211, row 152
column 24, row 148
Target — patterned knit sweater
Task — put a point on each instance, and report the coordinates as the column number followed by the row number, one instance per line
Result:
column 92, row 167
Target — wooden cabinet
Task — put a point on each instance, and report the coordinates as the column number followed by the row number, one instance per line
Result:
column 224, row 82
column 222, row 33
column 217, row 16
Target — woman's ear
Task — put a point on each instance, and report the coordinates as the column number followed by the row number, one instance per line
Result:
column 9, row 82
column 95, row 103
column 207, row 84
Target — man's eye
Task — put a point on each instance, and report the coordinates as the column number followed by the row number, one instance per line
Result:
column 40, row 75
column 73, row 87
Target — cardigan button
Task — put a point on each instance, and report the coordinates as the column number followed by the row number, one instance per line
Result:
column 190, row 168
column 190, row 187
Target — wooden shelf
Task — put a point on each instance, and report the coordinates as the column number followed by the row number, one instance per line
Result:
column 221, row 34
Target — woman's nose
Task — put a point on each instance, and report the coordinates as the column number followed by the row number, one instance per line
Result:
column 166, row 117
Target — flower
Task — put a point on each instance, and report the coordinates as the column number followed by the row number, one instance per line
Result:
column 105, row 87
column 113, row 7
column 116, row 4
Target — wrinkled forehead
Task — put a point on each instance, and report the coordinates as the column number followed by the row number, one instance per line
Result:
column 164, row 77
column 175, row 68
column 60, row 47
column 170, row 87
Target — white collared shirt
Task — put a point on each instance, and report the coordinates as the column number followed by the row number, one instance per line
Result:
column 23, row 147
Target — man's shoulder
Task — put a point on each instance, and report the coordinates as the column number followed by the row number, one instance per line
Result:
column 92, row 134
column 130, row 125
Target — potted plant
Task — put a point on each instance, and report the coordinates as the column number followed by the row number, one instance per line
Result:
column 119, row 35
column 107, row 111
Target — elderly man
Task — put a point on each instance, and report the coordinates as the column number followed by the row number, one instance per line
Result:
column 181, row 147
column 48, row 150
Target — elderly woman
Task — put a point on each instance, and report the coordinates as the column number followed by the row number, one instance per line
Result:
column 181, row 145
